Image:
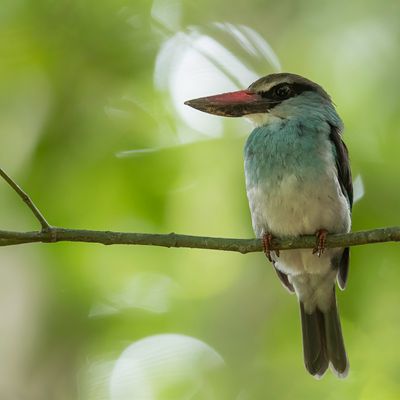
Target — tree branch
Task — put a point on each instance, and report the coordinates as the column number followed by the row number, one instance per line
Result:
column 54, row 234
column 8, row 238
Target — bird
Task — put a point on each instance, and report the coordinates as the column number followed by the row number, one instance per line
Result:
column 298, row 182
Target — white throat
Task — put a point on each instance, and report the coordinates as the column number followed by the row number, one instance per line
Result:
column 261, row 119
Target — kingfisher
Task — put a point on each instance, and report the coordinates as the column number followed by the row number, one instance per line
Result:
column 298, row 182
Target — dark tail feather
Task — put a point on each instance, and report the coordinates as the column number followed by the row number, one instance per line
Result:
column 323, row 341
column 334, row 340
column 314, row 347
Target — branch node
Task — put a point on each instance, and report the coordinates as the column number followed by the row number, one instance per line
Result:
column 50, row 234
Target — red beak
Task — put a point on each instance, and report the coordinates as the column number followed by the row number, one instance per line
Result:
column 232, row 104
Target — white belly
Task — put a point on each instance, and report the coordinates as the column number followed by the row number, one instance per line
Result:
column 297, row 206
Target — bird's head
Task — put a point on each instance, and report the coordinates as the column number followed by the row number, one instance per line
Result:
column 282, row 96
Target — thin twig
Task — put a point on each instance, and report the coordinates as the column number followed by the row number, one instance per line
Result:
column 8, row 238
column 27, row 200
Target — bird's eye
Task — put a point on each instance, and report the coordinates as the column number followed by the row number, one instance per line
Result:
column 283, row 92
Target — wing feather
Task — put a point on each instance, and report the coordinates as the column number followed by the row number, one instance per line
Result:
column 346, row 184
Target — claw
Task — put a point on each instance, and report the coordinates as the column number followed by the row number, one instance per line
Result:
column 320, row 243
column 267, row 241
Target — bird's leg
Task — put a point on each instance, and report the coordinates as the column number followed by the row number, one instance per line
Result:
column 320, row 244
column 267, row 241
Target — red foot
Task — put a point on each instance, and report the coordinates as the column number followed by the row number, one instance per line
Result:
column 267, row 241
column 320, row 244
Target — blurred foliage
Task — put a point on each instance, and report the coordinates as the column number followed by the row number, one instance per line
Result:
column 76, row 89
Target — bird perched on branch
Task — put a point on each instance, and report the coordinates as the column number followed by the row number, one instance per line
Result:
column 298, row 182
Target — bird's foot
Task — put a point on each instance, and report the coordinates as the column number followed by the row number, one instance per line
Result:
column 267, row 242
column 321, row 240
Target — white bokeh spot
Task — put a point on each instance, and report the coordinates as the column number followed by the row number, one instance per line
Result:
column 163, row 364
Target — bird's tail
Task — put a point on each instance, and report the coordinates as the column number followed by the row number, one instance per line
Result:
column 323, row 341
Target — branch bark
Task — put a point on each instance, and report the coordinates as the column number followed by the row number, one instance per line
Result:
column 52, row 234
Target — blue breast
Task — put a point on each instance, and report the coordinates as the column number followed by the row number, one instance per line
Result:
column 285, row 147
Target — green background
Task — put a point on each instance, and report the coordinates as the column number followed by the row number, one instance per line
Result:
column 77, row 87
